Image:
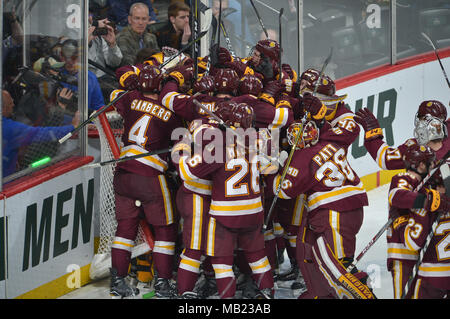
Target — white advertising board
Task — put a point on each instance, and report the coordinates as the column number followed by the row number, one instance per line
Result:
column 50, row 230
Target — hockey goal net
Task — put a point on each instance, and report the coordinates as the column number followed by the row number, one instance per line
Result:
column 110, row 127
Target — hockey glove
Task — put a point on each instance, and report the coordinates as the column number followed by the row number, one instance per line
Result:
column 314, row 107
column 129, row 81
column 436, row 201
column 182, row 74
column 369, row 123
column 271, row 91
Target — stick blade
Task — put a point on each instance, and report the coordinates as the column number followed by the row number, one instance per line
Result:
column 429, row 40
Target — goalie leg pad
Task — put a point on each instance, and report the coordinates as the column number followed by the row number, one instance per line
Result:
column 344, row 284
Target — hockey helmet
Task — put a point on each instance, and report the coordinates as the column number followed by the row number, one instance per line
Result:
column 223, row 109
column 433, row 108
column 250, row 84
column 269, row 48
column 241, row 115
column 326, row 90
column 226, row 81
column 149, row 79
column 416, row 154
column 205, row 84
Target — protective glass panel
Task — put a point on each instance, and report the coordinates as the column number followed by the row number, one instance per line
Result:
column 243, row 28
column 41, row 63
column 415, row 17
column 358, row 31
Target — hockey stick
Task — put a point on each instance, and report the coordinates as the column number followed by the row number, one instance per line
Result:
column 294, row 146
column 102, row 68
column 227, row 40
column 127, row 158
column 195, row 27
column 437, row 56
column 259, row 19
column 93, row 116
column 421, row 255
column 279, row 41
column 390, row 220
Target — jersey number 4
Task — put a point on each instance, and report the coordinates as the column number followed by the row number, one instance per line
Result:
column 138, row 132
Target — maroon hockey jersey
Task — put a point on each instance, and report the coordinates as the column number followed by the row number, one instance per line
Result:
column 322, row 173
column 147, row 127
column 401, row 198
column 236, row 195
column 390, row 158
column 435, row 266
column 183, row 105
column 267, row 115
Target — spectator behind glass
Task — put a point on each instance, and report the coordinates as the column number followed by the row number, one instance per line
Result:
column 103, row 48
column 119, row 10
column 135, row 36
column 177, row 32
column 70, row 55
column 104, row 53
column 16, row 135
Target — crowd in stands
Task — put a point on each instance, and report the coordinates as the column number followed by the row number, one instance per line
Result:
column 44, row 94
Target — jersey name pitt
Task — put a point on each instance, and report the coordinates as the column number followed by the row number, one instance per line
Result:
column 151, row 108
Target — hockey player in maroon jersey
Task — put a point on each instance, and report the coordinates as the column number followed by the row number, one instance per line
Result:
column 193, row 200
column 236, row 211
column 431, row 129
column 141, row 187
column 324, row 106
column 335, row 198
column 413, row 212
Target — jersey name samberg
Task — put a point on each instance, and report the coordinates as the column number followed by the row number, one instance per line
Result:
column 151, row 108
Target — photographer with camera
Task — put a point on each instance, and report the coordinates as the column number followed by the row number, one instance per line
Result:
column 103, row 48
column 104, row 53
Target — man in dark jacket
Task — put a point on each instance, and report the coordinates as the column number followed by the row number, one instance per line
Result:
column 177, row 33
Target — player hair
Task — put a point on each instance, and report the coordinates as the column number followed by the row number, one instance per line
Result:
column 175, row 7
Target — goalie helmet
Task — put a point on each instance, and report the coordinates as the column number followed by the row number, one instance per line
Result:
column 226, row 81
column 149, row 79
column 416, row 154
column 309, row 134
column 250, row 84
column 429, row 128
column 432, row 107
column 326, row 90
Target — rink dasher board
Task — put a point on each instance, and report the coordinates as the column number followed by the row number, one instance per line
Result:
column 50, row 234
